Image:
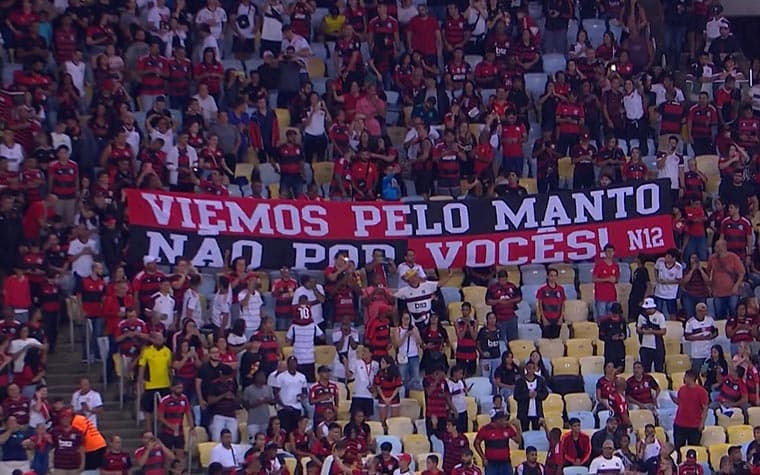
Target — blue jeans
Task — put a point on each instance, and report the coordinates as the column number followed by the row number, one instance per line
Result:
column 293, row 182
column 513, row 164
column 666, row 306
column 674, row 38
column 601, row 309
column 725, row 306
column 98, row 325
column 488, row 367
column 410, row 373
column 696, row 245
column 508, row 329
column 690, row 302
column 499, row 468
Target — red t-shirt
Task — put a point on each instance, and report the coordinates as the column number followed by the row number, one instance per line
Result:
column 605, row 291
column 511, row 139
column 691, row 401
column 423, row 34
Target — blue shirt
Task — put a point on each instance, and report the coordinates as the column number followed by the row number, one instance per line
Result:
column 390, row 188
column 12, row 449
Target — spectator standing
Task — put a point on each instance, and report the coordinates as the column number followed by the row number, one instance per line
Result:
column 154, row 374
column 315, row 298
column 726, row 272
column 87, row 402
column 701, row 332
column 668, row 276
column 224, row 453
column 692, row 400
column 650, row 326
column 503, row 297
column 14, row 454
column 173, row 415
column 496, row 437
column 301, row 335
column 613, row 331
column 608, row 432
column 530, row 392
column 69, row 455
column 550, row 305
column 290, row 390
column 606, row 274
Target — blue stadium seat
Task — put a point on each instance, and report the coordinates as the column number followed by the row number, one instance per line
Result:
column 570, row 292
column 589, row 384
column 529, row 294
column 584, row 272
column 524, row 314
column 595, row 29
column 553, row 62
column 625, row 272
column 481, row 388
column 588, row 421
column 533, row 274
column 536, row 438
column 451, row 294
column 529, row 331
column 535, row 84
column 394, row 441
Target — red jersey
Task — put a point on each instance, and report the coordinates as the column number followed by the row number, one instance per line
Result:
column 129, row 347
column 290, row 159
column 18, row 408
column 213, row 73
column 180, row 74
column 552, row 301
column 270, row 347
column 378, row 336
column 113, row 461
column 605, row 291
column 747, row 131
column 387, row 384
column 619, row 407
column 742, row 334
column 512, row 139
column 635, row 170
column 702, row 120
column 319, row 390
column 32, row 181
column 91, row 295
column 462, row 469
column 152, row 70
column 732, row 390
column 435, row 397
column 641, row 390
column 300, row 19
column 566, row 110
column 508, row 291
column 154, row 465
column 146, row 285
column 364, row 175
column 496, row 441
column 453, row 448
column 282, row 291
column 67, row 443
column 735, row 232
column 174, row 408
column 447, row 160
column 672, row 114
column 454, row 30
column 423, row 34
column 64, row 176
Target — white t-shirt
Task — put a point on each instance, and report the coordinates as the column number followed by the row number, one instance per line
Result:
column 229, row 458
column 418, row 299
column 271, row 28
column 403, row 268
column 58, row 139
column 192, row 302
column 532, row 386
column 298, row 43
column 458, row 395
column 167, row 137
column 364, row 375
column 339, row 371
column 77, row 72
column 172, row 162
column 15, row 156
column 302, row 337
column 754, row 92
column 694, row 327
column 251, row 313
column 658, row 320
column 164, row 305
column 603, row 466
column 408, row 344
column 21, row 346
column 251, row 12
column 92, row 399
column 291, row 386
column 221, row 306
column 316, row 126
column 82, row 266
column 208, row 107
column 667, row 291
column 157, row 14
column 673, row 164
column 661, row 94
column 214, row 19
column 316, row 308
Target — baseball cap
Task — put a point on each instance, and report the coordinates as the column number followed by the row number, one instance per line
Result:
column 405, row 458
column 150, row 260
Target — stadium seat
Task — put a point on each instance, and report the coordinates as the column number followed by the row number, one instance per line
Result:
column 535, row 84
column 421, row 459
column 324, row 355
column 588, row 421
column 415, row 443
column 399, row 426
column 204, row 451
column 455, row 311
column 553, row 419
column 599, row 348
column 524, row 314
column 587, row 293
column 576, row 311
column 589, row 381
column 625, row 272
column 521, row 349
column 566, row 366
column 672, row 346
column 715, row 452
column 588, row 330
column 753, row 416
column 552, row 63
column 736, row 418
column 536, row 438
column 565, row 170
column 575, row 471
column 529, row 331
column 585, row 270
column 533, row 274
column 482, row 420
column 641, row 417
column 595, row 29
column 700, row 450
column 554, row 403
column 677, row 363
column 395, row 442
column 375, row 428
column 712, row 435
column 708, row 164
column 662, row 380
column 577, row 402
column 674, row 330
column 418, row 396
column 570, row 291
column 591, row 364
column 551, row 348
column 480, row 388
column 451, row 294
column 474, row 294
column 739, row 434
column 410, row 408
column 517, row 457
column 578, row 347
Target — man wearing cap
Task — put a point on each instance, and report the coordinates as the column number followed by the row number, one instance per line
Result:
column 690, row 466
column 418, row 296
column 496, row 436
column 607, row 463
column 692, row 400
column 650, row 326
column 290, row 391
column 701, row 331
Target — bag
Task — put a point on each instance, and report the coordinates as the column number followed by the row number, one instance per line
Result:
column 243, row 22
column 404, row 358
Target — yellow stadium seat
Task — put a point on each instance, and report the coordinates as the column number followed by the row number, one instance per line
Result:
column 455, row 311
column 482, row 420
column 472, row 410
column 623, row 290
column 632, row 346
column 587, row 293
column 517, row 457
column 316, row 67
column 587, row 330
column 512, row 405
column 662, row 380
column 344, row 409
column 342, row 423
column 591, row 364
column 736, row 419
column 565, row 365
column 576, row 311
column 471, row 439
column 716, row 452
column 287, row 351
column 283, row 121
column 659, row 433
column 204, row 451
column 521, row 349
column 324, row 355
column 641, row 417
column 565, row 273
column 676, row 381
column 410, row 408
column 375, row 428
column 451, row 277
column 712, row 185
column 415, row 443
column 672, row 346
column 554, row 419
column 577, row 347
column 578, row 402
column 418, row 396
column 323, row 172
column 565, row 168
column 702, row 456
column 421, row 459
column 673, row 330
column 480, row 312
column 721, row 326
column 291, row 463
column 274, row 190
column 599, row 347
column 708, row 164
column 554, row 403
column 541, row 456
column 713, row 435
column 739, row 434
column 474, row 294
column 244, row 170
column 399, row 426
column 753, row 416
column 677, row 363
column 530, row 185
column 554, row 348
column 514, row 275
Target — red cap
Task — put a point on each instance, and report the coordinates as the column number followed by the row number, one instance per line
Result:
column 405, row 458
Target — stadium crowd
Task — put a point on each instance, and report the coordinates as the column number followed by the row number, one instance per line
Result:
column 645, row 365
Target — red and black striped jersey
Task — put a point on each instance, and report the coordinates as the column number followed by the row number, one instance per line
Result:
column 435, row 397
column 702, row 120
column 467, row 348
column 318, row 391
column 91, row 294
column 552, row 301
column 496, row 441
column 735, row 233
column 388, row 383
column 174, row 409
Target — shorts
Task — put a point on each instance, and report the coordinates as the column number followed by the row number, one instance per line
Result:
column 365, row 404
column 395, row 402
column 172, row 442
column 146, row 402
column 243, row 45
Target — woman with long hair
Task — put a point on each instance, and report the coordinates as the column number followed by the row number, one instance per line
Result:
column 185, row 362
column 407, row 340
column 506, row 375
column 435, row 340
column 714, row 370
column 275, row 432
column 388, row 388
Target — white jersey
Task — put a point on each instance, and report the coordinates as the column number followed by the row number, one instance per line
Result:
column 706, row 327
column 419, row 300
column 675, row 272
column 603, row 466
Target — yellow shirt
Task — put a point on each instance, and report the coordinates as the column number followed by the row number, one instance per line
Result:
column 333, row 25
column 158, row 372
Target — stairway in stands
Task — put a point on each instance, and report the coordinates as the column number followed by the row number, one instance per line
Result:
column 65, row 368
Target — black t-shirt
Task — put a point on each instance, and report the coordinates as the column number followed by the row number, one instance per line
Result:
column 489, row 343
column 507, row 375
column 207, row 374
